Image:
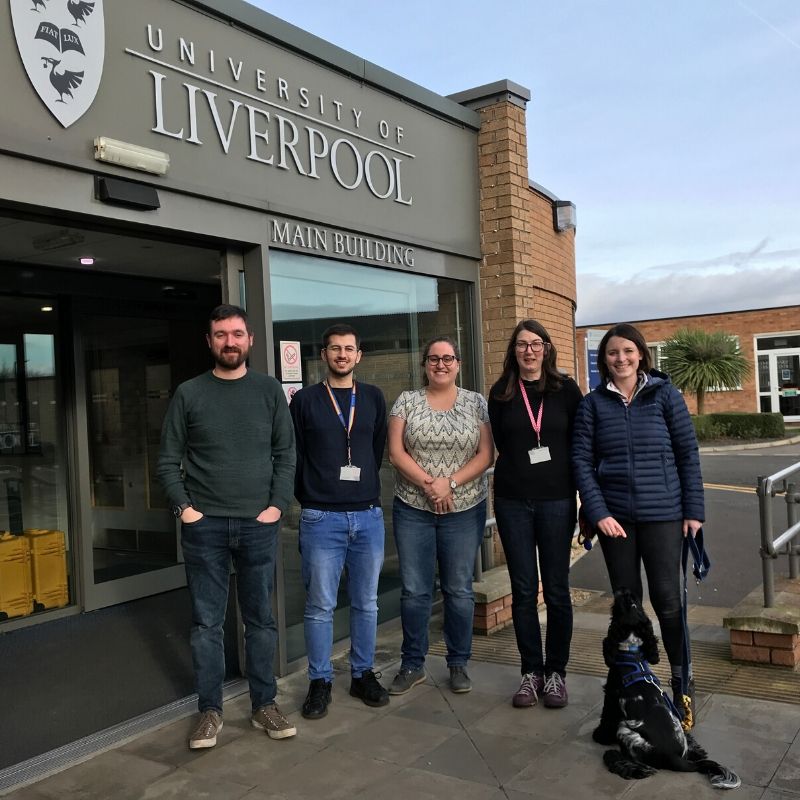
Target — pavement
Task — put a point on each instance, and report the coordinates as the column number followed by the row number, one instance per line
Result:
column 431, row 743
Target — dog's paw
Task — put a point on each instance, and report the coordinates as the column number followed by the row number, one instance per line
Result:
column 727, row 780
column 604, row 735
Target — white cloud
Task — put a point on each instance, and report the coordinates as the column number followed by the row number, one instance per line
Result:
column 673, row 294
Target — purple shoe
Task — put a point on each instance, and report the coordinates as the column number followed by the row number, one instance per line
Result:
column 529, row 690
column 555, row 691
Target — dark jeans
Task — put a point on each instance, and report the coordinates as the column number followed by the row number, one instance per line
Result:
column 546, row 526
column 208, row 547
column 658, row 546
column 423, row 539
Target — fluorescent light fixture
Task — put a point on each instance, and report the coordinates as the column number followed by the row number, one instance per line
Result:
column 564, row 215
column 47, row 308
column 124, row 154
column 87, row 261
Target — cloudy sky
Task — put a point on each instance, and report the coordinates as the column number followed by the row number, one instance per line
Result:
column 673, row 126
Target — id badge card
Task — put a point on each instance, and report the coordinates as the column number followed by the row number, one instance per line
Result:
column 538, row 455
column 350, row 473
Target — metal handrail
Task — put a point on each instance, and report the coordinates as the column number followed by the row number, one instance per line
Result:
column 485, row 557
column 772, row 547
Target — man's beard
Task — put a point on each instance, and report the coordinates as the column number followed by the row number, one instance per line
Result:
column 231, row 358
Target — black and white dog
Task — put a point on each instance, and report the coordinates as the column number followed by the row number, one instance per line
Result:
column 637, row 715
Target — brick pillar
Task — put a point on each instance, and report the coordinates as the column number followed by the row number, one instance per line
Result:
column 528, row 268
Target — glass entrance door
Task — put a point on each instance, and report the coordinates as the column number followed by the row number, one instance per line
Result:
column 779, row 383
column 127, row 392
column 129, row 367
column 34, row 526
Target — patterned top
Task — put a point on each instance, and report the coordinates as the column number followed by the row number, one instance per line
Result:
column 441, row 442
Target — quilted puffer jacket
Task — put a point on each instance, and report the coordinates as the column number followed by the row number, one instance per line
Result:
column 639, row 462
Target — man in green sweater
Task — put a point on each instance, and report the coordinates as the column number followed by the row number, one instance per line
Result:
column 227, row 464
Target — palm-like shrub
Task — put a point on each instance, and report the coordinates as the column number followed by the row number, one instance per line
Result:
column 698, row 361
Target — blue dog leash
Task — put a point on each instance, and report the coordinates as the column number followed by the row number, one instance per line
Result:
column 700, row 568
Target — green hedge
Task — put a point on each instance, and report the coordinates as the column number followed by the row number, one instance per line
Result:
column 733, row 425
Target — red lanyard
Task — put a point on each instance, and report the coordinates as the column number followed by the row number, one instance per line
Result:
column 536, row 424
column 349, row 426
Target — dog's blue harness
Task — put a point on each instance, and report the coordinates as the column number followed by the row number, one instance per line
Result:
column 635, row 669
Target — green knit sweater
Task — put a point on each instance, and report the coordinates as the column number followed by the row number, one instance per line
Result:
column 235, row 441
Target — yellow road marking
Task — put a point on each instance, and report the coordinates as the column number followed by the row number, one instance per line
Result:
column 724, row 487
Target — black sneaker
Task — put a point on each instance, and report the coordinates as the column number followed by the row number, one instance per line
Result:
column 317, row 699
column 368, row 689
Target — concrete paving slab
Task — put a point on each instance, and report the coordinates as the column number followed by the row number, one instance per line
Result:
column 506, row 756
column 666, row 785
column 394, row 739
column 745, row 716
column 787, row 776
column 246, row 760
column 458, row 757
column 569, row 769
column 336, row 774
column 421, row 785
column 449, row 709
column 122, row 776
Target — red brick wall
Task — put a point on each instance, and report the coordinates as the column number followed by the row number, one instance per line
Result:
column 528, row 269
column 744, row 324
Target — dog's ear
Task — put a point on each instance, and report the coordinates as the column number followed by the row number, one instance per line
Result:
column 610, row 651
column 650, row 644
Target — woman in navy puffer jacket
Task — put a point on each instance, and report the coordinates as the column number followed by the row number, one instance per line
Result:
column 637, row 468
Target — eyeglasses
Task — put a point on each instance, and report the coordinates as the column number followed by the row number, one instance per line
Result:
column 446, row 360
column 337, row 348
column 536, row 346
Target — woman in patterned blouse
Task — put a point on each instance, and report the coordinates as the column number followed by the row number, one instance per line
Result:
column 440, row 444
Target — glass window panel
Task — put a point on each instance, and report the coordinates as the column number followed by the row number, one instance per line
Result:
column 395, row 313
column 33, row 495
column 778, row 342
column 764, row 384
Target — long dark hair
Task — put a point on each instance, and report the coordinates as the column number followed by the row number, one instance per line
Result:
column 551, row 379
column 625, row 331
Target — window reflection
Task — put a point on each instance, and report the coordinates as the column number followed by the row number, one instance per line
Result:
column 395, row 313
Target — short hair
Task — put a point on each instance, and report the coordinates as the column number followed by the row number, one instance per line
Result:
column 227, row 311
column 340, row 329
column 447, row 340
column 623, row 330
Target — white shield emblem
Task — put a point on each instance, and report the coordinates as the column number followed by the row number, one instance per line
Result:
column 62, row 46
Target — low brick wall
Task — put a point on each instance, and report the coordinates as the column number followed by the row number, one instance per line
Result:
column 767, row 635
column 493, row 602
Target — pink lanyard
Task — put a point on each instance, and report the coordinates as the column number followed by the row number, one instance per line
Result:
column 536, row 424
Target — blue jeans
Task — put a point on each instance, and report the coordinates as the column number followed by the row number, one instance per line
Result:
column 546, row 526
column 330, row 541
column 208, row 547
column 423, row 539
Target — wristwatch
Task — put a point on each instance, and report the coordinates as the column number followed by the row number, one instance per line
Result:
column 178, row 510
column 453, row 484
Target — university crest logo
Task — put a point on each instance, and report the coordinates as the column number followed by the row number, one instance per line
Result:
column 62, row 46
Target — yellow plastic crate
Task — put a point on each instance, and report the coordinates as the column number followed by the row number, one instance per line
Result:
column 16, row 594
column 48, row 568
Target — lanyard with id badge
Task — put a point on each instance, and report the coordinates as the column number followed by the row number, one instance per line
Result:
column 348, row 472
column 538, row 454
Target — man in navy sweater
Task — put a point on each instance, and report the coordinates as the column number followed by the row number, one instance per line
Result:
column 340, row 431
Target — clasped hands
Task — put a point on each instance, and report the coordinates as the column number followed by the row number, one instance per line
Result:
column 438, row 491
